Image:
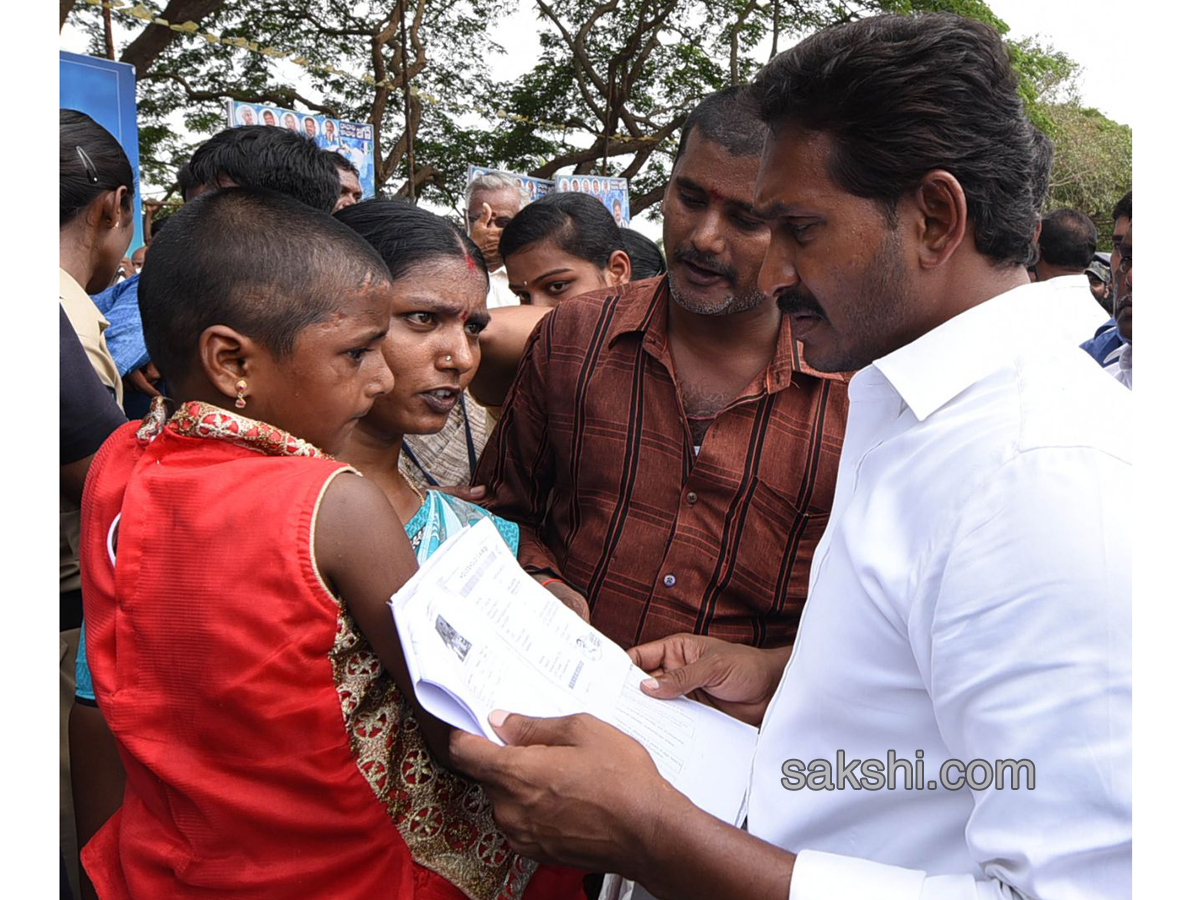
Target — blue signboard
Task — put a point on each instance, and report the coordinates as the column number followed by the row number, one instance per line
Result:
column 105, row 91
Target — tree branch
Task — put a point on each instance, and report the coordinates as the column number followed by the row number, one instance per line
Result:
column 154, row 39
column 646, row 200
column 593, row 153
column 584, row 70
column 64, row 10
column 285, row 97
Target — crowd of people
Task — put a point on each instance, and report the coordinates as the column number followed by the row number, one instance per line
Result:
column 849, row 460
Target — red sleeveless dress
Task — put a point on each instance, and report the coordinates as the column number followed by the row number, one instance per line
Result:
column 268, row 754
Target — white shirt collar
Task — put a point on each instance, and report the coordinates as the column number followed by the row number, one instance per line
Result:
column 942, row 363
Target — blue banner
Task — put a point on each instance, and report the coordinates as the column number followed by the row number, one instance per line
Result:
column 105, row 90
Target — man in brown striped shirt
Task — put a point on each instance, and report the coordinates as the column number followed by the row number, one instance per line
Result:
column 665, row 449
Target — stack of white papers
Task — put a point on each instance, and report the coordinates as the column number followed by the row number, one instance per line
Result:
column 479, row 634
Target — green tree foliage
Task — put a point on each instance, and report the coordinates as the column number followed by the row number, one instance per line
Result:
column 410, row 48
column 610, row 84
column 622, row 76
column 1093, row 164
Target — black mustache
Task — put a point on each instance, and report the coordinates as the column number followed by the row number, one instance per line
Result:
column 703, row 261
column 792, row 302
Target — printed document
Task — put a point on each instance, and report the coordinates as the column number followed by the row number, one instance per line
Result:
column 479, row 634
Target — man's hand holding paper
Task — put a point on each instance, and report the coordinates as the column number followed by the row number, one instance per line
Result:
column 479, row 634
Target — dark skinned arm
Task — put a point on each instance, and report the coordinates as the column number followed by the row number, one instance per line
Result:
column 72, row 476
column 97, row 778
column 364, row 557
column 575, row 791
column 578, row 792
column 501, row 345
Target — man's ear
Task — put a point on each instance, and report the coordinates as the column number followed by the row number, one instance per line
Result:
column 941, row 206
column 226, row 357
column 619, row 269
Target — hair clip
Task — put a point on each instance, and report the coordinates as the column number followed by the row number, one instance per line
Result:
column 88, row 165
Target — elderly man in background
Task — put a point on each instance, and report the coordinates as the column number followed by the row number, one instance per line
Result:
column 1099, row 278
column 492, row 200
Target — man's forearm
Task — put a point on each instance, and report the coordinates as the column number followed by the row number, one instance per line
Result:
column 534, row 557
column 687, row 853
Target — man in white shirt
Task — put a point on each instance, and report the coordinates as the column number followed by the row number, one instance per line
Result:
column 1066, row 244
column 968, row 622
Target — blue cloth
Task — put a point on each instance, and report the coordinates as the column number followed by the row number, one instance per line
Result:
column 442, row 516
column 83, row 675
column 439, row 518
column 119, row 304
column 1106, row 340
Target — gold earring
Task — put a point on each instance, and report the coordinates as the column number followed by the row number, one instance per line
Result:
column 240, row 402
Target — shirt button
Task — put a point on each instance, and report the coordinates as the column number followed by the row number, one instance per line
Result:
column 691, row 497
column 669, row 580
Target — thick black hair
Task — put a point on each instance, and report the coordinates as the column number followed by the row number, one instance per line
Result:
column 90, row 163
column 264, row 156
column 902, row 95
column 1043, row 161
column 644, row 256
column 729, row 118
column 258, row 261
column 187, row 180
column 1068, row 238
column 1124, row 207
column 578, row 224
column 157, row 224
column 342, row 163
column 407, row 236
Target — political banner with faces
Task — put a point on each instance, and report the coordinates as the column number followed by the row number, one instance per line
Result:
column 612, row 192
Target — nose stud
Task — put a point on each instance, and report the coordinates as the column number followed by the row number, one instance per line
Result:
column 449, row 358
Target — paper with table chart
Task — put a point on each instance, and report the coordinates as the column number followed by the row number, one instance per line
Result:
column 479, row 634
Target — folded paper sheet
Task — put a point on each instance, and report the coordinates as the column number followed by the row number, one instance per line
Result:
column 479, row 634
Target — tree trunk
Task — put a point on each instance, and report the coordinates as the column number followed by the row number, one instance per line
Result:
column 109, row 50
column 144, row 49
column 408, row 117
column 645, row 201
column 774, row 29
column 64, row 10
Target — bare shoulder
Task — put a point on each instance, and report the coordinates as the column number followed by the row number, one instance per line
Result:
column 355, row 526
